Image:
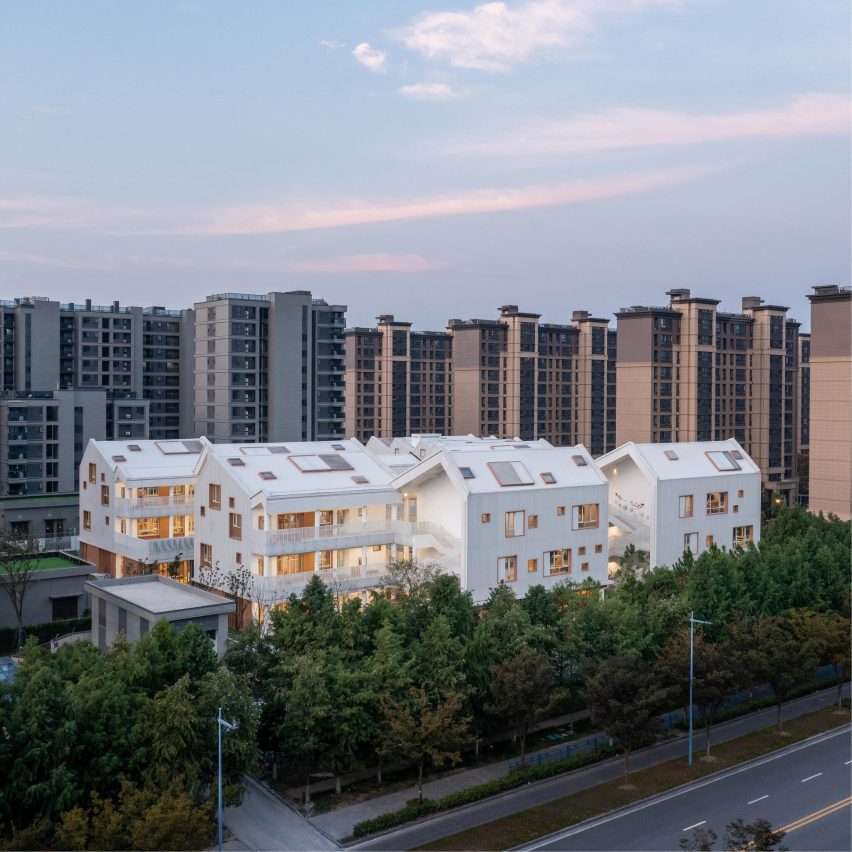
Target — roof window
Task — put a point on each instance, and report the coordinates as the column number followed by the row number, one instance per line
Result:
column 134, row 448
column 235, row 462
column 320, row 463
column 723, row 460
column 509, row 473
column 360, row 479
column 736, row 454
column 671, row 455
column 467, row 473
column 267, row 474
column 119, row 459
column 176, row 448
column 338, row 447
column 548, row 478
column 580, row 461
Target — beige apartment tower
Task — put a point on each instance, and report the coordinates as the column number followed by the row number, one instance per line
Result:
column 830, row 447
column 689, row 372
column 509, row 377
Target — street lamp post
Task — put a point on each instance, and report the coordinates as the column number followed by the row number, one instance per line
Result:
column 692, row 622
column 230, row 726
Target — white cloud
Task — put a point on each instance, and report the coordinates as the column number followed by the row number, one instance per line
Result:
column 332, row 45
column 495, row 36
column 401, row 263
column 630, row 127
column 373, row 59
column 433, row 92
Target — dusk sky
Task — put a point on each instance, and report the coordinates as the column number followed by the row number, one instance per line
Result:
column 428, row 159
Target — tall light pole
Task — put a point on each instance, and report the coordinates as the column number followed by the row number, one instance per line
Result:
column 230, row 726
column 692, row 622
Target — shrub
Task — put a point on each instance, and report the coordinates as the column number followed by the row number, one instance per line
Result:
column 43, row 632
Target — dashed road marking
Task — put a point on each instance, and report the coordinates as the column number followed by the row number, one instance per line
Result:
column 811, row 777
column 690, row 827
column 759, row 799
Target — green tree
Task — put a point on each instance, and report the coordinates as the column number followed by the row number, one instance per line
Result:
column 415, row 729
column 521, row 688
column 772, row 653
column 19, row 561
column 625, row 696
column 702, row 840
column 828, row 635
column 754, row 835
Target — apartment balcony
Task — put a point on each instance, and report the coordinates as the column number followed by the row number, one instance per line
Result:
column 342, row 580
column 153, row 549
column 154, row 507
column 341, row 536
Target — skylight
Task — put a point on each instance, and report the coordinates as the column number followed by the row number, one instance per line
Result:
column 235, row 462
column 467, row 473
column 723, row 460
column 671, row 455
column 119, row 459
column 359, row 479
column 339, row 447
column 509, row 473
column 280, row 448
column 736, row 454
column 255, row 451
column 134, row 448
column 176, row 448
column 267, row 474
column 320, row 463
column 580, row 461
column 548, row 478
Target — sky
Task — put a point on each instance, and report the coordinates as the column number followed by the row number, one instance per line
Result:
column 433, row 160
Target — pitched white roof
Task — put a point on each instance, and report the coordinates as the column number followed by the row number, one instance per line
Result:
column 693, row 458
column 151, row 461
column 284, row 470
column 488, row 465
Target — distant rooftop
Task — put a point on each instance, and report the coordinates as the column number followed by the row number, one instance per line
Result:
column 159, row 595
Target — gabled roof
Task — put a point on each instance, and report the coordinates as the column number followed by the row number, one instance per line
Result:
column 144, row 462
column 286, row 470
column 489, row 466
column 684, row 460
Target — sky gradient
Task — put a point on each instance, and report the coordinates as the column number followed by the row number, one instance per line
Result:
column 432, row 160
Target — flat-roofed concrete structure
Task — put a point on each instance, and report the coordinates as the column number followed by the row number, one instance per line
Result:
column 132, row 605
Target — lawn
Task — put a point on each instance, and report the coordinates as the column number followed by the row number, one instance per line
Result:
column 49, row 563
column 536, row 822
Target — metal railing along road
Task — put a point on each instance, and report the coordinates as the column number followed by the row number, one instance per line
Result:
column 568, row 750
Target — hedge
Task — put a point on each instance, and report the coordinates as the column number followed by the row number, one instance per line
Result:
column 43, row 632
column 510, row 781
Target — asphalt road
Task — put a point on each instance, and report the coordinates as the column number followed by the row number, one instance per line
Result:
column 443, row 825
column 805, row 788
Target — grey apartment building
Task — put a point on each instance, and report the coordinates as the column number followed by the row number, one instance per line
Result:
column 268, row 368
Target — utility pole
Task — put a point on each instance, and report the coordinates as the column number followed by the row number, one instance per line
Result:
column 692, row 622
column 230, row 726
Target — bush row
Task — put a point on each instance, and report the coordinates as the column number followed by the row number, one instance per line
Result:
column 518, row 778
column 43, row 632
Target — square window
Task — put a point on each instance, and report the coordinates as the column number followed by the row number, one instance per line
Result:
column 581, row 551
column 507, row 568
column 486, row 517
column 708, row 542
column 560, row 510
column 740, row 493
column 532, row 522
column 532, row 566
column 598, row 548
column 230, row 502
column 584, row 566
column 586, row 516
column 717, row 503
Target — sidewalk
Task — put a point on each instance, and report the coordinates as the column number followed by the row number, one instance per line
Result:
column 340, row 823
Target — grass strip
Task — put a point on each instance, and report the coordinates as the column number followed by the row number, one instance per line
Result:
column 545, row 819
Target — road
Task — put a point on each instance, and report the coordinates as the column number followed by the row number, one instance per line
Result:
column 263, row 821
column 442, row 825
column 804, row 788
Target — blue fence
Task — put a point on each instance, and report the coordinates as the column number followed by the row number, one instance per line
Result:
column 565, row 751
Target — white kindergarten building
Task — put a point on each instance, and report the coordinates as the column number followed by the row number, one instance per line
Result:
column 137, row 505
column 667, row 498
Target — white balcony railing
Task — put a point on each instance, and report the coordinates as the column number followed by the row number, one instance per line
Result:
column 181, row 504
column 156, row 549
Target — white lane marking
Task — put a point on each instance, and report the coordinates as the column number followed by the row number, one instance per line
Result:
column 811, row 777
column 689, row 827
column 541, row 842
column 758, row 800
column 847, row 762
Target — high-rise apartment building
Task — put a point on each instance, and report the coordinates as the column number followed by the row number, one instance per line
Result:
column 804, row 415
column 399, row 381
column 510, row 377
column 830, row 447
column 688, row 372
column 268, row 368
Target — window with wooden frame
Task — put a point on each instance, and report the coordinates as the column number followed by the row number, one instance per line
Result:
column 87, row 519
column 105, row 495
column 685, row 505
column 743, row 536
column 515, row 524
column 557, row 562
column 708, row 542
column 486, row 517
column 717, row 503
column 586, row 516
column 93, row 473
column 598, row 548
column 206, row 554
column 235, row 526
column 532, row 522
column 532, row 566
column 584, row 566
column 560, row 510
column 214, row 495
column 507, row 568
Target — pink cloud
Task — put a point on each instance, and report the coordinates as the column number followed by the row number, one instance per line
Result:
column 367, row 263
column 627, row 127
